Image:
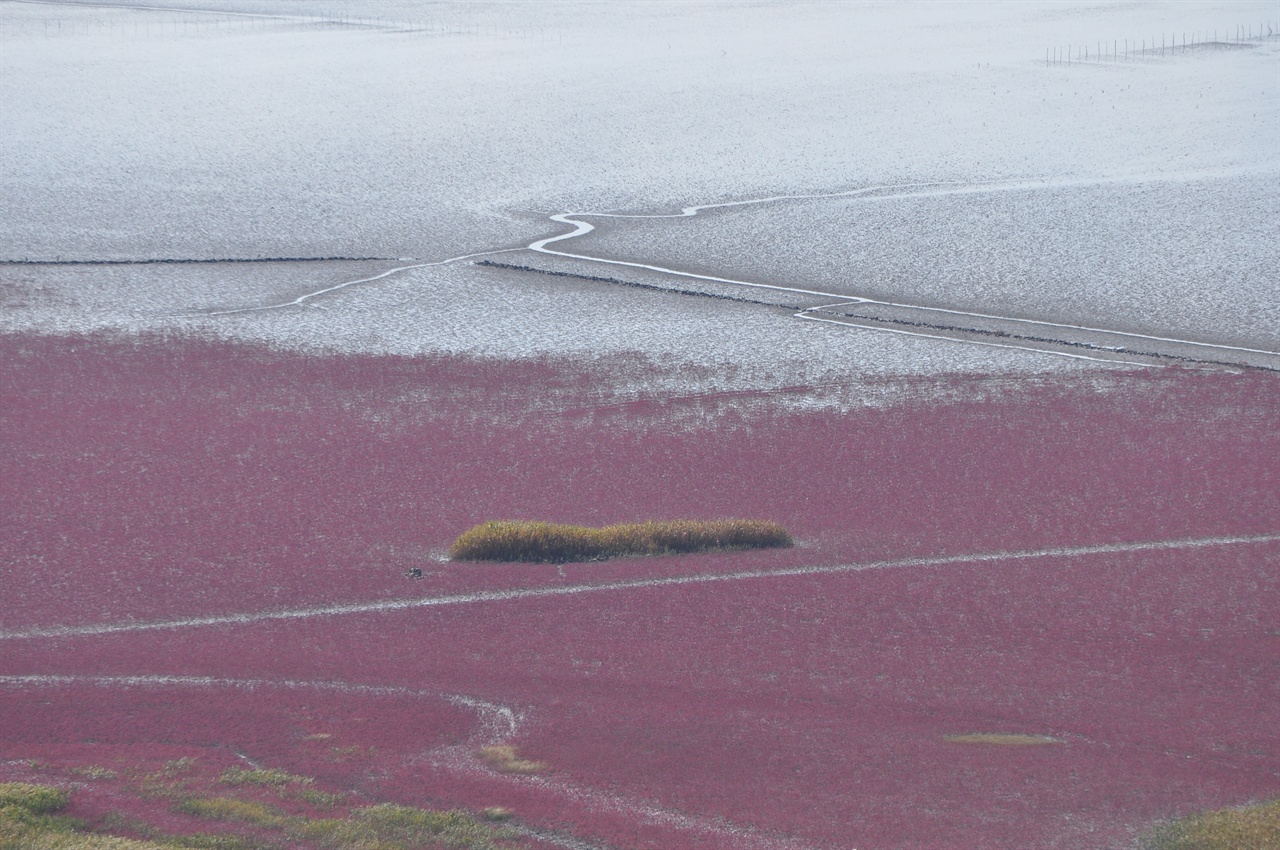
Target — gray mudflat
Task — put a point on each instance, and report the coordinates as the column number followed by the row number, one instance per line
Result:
column 1187, row 257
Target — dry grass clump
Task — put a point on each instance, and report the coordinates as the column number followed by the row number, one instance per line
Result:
column 504, row 758
column 545, row 541
column 1006, row 739
column 1255, row 827
column 229, row 808
column 263, row 778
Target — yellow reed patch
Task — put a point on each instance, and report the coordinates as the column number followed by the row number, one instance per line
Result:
column 548, row 542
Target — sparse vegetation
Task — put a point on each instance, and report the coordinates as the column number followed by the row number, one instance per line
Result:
column 19, row 836
column 545, row 541
column 229, row 808
column 391, row 827
column 1255, row 827
column 207, row 841
column 29, row 821
column 177, row 767
column 313, row 797
column 265, row 778
column 287, row 785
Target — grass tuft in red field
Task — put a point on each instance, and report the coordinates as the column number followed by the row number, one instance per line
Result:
column 549, row 542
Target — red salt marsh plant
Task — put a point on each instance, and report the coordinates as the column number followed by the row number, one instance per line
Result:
column 228, row 478
column 672, row 706
column 544, row 541
column 234, row 480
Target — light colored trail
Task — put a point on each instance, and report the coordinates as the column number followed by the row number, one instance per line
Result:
column 1064, row 326
column 302, row 299
column 804, row 314
column 648, row 813
column 582, row 228
column 603, row 587
column 500, row 722
column 874, row 193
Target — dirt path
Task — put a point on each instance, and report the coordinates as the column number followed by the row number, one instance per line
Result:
column 577, row 589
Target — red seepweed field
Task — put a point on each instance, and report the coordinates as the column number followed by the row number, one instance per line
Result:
column 1088, row 563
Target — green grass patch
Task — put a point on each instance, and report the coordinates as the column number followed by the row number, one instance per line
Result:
column 35, row 799
column 312, row 797
column 177, row 767
column 545, row 541
column 27, row 837
column 392, row 827
column 29, row 821
column 229, row 808
column 211, row 841
column 268, row 778
column 20, row 829
column 1255, row 827
column 382, row 827
column 169, row 781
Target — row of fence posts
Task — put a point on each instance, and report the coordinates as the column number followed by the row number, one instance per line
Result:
column 1124, row 50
